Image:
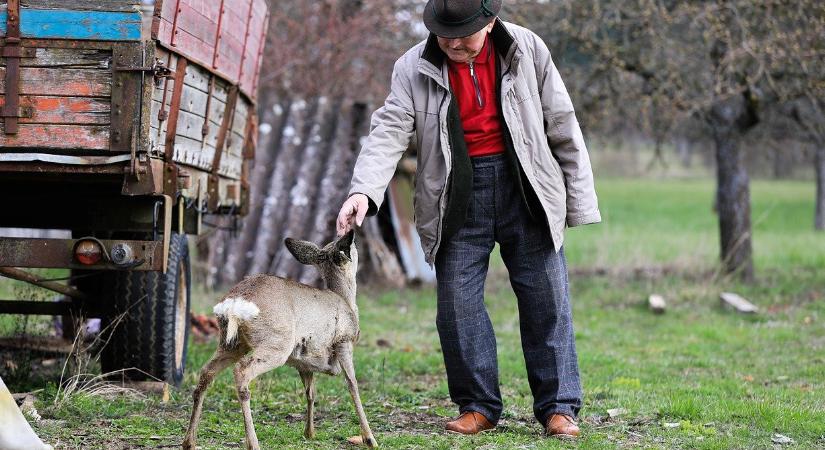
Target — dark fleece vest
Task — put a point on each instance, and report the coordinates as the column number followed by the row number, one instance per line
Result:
column 460, row 183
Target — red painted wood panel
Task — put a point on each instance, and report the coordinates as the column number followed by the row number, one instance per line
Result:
column 195, row 34
column 90, row 137
column 258, row 61
column 253, row 45
column 200, row 21
column 164, row 31
column 59, row 81
column 64, row 110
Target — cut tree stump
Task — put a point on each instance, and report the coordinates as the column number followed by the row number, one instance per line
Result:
column 657, row 303
column 737, row 302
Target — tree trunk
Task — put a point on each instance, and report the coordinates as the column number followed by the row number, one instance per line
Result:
column 733, row 190
column 819, row 167
column 293, row 140
column 273, row 115
column 334, row 186
column 303, row 195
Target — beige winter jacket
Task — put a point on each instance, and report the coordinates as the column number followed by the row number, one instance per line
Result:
column 536, row 108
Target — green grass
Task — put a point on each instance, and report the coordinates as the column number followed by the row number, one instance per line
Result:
column 698, row 376
column 671, row 222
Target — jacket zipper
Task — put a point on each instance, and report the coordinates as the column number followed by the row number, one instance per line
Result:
column 443, row 188
column 476, row 86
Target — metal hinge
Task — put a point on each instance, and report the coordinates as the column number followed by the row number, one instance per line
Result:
column 158, row 70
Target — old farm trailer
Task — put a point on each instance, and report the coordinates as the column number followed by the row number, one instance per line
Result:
column 125, row 122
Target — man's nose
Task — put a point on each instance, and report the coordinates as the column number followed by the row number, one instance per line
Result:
column 454, row 44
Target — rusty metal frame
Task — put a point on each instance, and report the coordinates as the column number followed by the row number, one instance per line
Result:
column 246, row 39
column 125, row 99
column 174, row 108
column 170, row 175
column 225, row 129
column 174, row 24
column 228, row 117
column 163, row 114
column 12, row 52
column 58, row 253
column 218, row 36
column 264, row 30
column 205, row 128
column 168, row 201
column 22, row 275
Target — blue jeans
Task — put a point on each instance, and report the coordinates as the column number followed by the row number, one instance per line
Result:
column 538, row 275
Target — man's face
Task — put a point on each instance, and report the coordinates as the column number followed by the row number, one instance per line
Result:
column 465, row 49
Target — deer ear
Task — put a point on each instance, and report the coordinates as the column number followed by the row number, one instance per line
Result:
column 345, row 243
column 304, row 251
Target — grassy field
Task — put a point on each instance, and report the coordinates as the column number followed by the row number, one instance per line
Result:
column 696, row 377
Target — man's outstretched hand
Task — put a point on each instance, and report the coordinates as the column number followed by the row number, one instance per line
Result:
column 354, row 208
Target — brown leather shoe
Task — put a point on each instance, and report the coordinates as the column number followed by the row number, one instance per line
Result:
column 470, row 422
column 561, row 426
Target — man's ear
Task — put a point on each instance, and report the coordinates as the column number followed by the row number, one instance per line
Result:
column 304, row 251
column 345, row 242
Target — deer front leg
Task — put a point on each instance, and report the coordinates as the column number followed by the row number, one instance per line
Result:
column 344, row 352
column 309, row 388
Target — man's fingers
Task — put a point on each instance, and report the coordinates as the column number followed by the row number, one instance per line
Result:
column 361, row 212
column 354, row 207
column 343, row 220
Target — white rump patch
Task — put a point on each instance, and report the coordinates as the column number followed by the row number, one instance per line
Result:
column 236, row 307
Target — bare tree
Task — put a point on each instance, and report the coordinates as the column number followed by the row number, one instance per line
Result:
column 653, row 64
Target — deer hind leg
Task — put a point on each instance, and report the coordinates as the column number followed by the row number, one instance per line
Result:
column 309, row 388
column 344, row 352
column 219, row 361
column 248, row 369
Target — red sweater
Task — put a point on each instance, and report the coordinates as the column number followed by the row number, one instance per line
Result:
column 477, row 104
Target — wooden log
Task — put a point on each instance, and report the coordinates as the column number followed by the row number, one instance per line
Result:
column 303, row 195
column 282, row 179
column 286, row 194
column 273, row 117
column 738, row 303
column 657, row 303
column 331, row 184
column 379, row 263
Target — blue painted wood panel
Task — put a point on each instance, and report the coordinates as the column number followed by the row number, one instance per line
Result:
column 67, row 24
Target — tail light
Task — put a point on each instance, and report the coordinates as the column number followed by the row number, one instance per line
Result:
column 88, row 252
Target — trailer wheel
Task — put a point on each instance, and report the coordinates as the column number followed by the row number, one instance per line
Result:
column 148, row 323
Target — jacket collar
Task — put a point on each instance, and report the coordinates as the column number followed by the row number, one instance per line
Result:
column 483, row 57
column 433, row 58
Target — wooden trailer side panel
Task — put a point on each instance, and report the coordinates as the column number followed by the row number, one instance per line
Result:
column 77, row 19
column 52, row 119
column 225, row 36
column 203, row 102
column 253, row 50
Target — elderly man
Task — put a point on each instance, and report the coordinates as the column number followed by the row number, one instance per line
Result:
column 501, row 158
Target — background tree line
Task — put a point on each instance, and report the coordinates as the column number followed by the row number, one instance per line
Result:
column 738, row 81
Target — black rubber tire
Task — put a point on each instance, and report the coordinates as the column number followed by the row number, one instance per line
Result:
column 150, row 339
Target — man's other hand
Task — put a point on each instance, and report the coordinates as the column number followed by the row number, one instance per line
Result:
column 354, row 208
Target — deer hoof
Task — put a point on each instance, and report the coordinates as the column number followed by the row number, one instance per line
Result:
column 360, row 440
